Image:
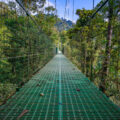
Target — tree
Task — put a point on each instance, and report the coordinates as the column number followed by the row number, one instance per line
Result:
column 12, row 5
column 106, row 62
column 50, row 10
column 34, row 5
column 84, row 16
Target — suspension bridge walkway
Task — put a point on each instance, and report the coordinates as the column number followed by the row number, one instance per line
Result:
column 59, row 91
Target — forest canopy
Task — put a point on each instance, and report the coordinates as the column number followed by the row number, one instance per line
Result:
column 93, row 44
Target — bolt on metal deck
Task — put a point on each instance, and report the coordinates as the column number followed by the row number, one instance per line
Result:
column 67, row 94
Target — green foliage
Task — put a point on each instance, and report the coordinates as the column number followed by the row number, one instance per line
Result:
column 88, row 43
column 34, row 5
column 50, row 9
column 6, row 90
column 23, row 48
column 84, row 16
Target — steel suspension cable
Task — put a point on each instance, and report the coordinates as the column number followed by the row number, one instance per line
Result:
column 104, row 3
column 28, row 14
column 94, row 14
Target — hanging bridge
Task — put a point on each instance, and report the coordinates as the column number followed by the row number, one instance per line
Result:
column 48, row 86
column 66, row 95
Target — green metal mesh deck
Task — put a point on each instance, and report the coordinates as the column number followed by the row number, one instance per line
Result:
column 59, row 81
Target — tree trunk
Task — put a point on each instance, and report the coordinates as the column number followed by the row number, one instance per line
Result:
column 106, row 63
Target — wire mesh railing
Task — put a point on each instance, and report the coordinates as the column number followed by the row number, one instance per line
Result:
column 24, row 47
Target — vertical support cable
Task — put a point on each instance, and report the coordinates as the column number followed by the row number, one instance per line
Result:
column 56, row 10
column 65, row 9
column 93, row 4
column 91, row 74
column 28, row 50
column 48, row 3
column 68, row 7
column 73, row 10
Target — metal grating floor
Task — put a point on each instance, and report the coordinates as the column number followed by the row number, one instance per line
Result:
column 68, row 95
